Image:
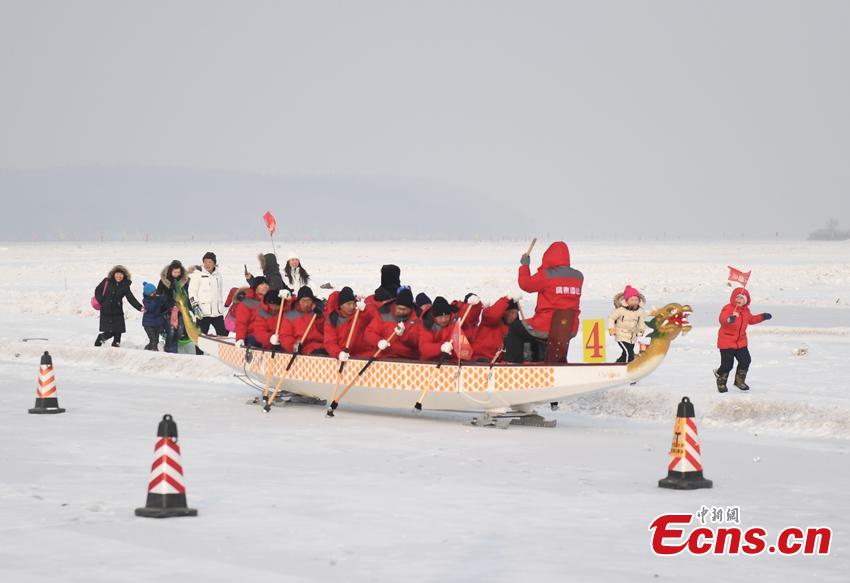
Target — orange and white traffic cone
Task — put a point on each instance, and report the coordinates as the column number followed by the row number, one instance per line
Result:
column 46, row 399
column 166, row 491
column 685, row 469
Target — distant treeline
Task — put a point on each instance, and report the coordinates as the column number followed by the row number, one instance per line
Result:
column 830, row 232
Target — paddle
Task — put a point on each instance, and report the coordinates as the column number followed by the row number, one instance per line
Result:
column 335, row 403
column 430, row 387
column 342, row 364
column 268, row 407
column 269, row 365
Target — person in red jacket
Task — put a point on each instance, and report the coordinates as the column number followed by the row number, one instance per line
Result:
column 295, row 322
column 732, row 339
column 495, row 322
column 558, row 287
column 340, row 312
column 437, row 327
column 470, row 310
column 253, row 299
column 263, row 321
column 397, row 316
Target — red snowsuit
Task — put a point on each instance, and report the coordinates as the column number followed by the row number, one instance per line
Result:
column 244, row 309
column 383, row 325
column 262, row 324
column 292, row 327
column 558, row 286
column 432, row 337
column 337, row 327
column 491, row 331
column 734, row 335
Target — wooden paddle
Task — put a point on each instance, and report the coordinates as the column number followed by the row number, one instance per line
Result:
column 430, row 387
column 335, row 403
column 268, row 383
column 342, row 364
column 268, row 406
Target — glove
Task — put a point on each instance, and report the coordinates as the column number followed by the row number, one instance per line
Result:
column 399, row 329
column 343, row 356
column 525, row 259
column 240, row 343
column 447, row 347
column 383, row 344
column 611, row 332
column 297, row 347
column 275, row 339
column 767, row 316
column 473, row 300
column 317, row 309
column 361, row 305
column 284, row 294
column 199, row 313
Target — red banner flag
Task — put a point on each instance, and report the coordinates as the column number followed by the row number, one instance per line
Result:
column 739, row 276
column 271, row 223
column 462, row 346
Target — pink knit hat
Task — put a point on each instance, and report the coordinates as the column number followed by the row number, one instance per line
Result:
column 630, row 292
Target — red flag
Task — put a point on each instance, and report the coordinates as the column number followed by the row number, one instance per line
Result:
column 739, row 276
column 271, row 223
column 463, row 348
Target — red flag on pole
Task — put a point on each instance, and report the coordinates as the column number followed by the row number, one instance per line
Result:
column 463, row 348
column 739, row 276
column 271, row 223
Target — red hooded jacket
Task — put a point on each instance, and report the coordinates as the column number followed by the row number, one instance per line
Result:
column 382, row 326
column 432, row 337
column 734, row 335
column 558, row 286
column 243, row 310
column 292, row 327
column 337, row 327
column 491, row 331
column 262, row 324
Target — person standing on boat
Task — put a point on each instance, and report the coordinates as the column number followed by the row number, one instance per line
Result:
column 558, row 287
column 626, row 323
column 206, row 295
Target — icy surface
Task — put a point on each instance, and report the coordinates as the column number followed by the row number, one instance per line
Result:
column 390, row 496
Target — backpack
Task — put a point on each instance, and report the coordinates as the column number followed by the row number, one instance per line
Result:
column 94, row 303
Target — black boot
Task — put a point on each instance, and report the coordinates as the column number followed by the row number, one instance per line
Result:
column 99, row 340
column 741, row 379
column 721, row 381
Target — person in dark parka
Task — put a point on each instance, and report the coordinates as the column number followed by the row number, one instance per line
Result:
column 172, row 275
column 110, row 294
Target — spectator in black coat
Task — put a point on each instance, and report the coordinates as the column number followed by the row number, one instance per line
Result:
column 110, row 294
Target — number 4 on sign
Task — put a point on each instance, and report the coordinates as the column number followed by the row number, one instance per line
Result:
column 593, row 340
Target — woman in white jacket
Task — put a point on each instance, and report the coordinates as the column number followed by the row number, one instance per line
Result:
column 295, row 276
column 206, row 292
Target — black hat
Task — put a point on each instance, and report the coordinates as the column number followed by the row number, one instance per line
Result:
column 272, row 297
column 405, row 298
column 422, row 300
column 391, row 278
column 257, row 280
column 383, row 294
column 512, row 305
column 305, row 292
column 210, row 255
column 346, row 295
column 441, row 307
column 467, row 296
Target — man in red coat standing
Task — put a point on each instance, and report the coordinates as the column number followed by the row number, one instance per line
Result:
column 732, row 339
column 558, row 287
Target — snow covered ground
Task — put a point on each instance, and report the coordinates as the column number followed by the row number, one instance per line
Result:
column 389, row 496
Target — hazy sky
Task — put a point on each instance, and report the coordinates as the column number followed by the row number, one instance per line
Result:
column 691, row 117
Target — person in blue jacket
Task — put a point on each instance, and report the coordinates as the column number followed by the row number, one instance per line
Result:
column 153, row 319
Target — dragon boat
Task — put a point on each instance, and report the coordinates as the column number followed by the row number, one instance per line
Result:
column 500, row 389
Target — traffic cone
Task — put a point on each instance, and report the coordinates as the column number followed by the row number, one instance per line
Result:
column 685, row 469
column 166, row 492
column 46, row 401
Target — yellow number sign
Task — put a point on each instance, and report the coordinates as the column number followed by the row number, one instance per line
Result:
column 593, row 340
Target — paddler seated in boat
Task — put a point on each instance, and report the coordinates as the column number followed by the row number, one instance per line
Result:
column 392, row 330
column 296, row 321
column 340, row 311
column 263, row 321
column 495, row 322
column 435, row 336
column 558, row 287
column 469, row 310
column 252, row 300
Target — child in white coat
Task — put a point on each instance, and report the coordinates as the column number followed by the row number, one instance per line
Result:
column 626, row 322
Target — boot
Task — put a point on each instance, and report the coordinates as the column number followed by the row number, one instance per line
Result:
column 99, row 341
column 721, row 381
column 741, row 379
column 116, row 344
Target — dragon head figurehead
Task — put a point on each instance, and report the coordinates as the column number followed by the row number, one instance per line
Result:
column 669, row 321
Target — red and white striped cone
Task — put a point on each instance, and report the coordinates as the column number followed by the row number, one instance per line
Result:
column 46, row 399
column 685, row 469
column 166, row 491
